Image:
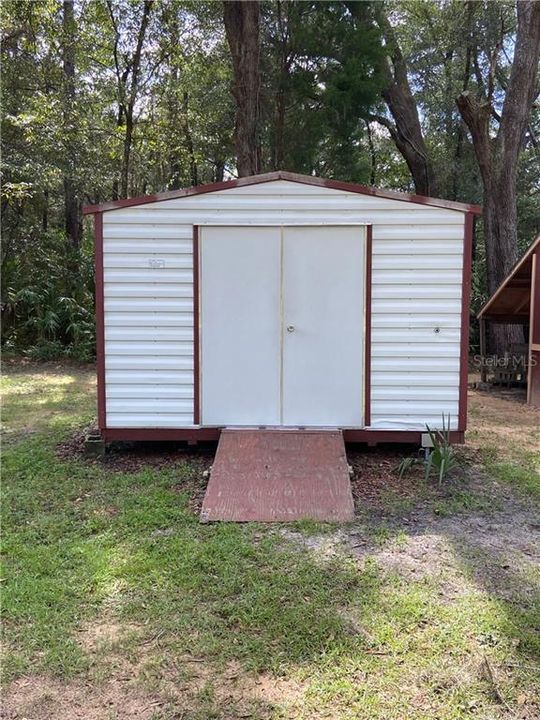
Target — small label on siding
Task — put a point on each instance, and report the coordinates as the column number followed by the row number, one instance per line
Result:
column 156, row 263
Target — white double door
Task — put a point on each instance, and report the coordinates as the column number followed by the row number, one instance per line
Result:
column 282, row 325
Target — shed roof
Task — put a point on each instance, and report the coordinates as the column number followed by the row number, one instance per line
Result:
column 291, row 177
column 511, row 301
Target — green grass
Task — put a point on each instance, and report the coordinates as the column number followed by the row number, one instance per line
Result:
column 524, row 476
column 84, row 545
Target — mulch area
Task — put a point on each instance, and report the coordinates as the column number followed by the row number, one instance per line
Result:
column 375, row 475
column 374, row 469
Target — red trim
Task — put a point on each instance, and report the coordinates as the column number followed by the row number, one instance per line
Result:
column 100, row 319
column 465, row 317
column 161, row 434
column 291, row 177
column 196, row 359
column 371, row 437
column 367, row 330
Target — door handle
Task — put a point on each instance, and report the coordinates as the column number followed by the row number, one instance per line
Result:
column 290, row 328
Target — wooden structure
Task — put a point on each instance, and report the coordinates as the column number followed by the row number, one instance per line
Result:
column 278, row 476
column 282, row 300
column 517, row 300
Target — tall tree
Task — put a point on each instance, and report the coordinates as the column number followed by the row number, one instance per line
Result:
column 127, row 68
column 498, row 152
column 241, row 20
column 72, row 203
column 404, row 128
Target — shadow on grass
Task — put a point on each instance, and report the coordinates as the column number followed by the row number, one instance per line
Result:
column 82, row 544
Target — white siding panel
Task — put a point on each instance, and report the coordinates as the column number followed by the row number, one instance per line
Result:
column 385, row 379
column 148, row 290
column 145, row 333
column 402, row 364
column 150, row 214
column 418, row 234
column 135, row 305
column 417, row 265
column 412, row 321
column 418, row 291
column 429, row 264
column 132, row 419
column 167, row 406
column 148, row 323
column 141, row 261
column 442, row 306
column 149, row 275
column 116, row 379
column 417, row 272
column 412, row 392
column 129, row 347
column 149, row 392
column 410, row 277
column 135, row 245
column 413, row 350
column 162, row 319
column 414, row 334
column 147, row 362
column 155, row 234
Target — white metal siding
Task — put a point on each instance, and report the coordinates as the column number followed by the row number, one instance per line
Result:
column 416, row 323
column 417, row 270
column 148, row 287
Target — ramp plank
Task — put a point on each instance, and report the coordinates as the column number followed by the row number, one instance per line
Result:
column 279, row 475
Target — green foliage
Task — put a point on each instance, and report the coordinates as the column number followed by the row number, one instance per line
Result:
column 321, row 81
column 47, row 307
column 442, row 457
column 405, row 465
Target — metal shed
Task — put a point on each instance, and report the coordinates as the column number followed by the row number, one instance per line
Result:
column 282, row 300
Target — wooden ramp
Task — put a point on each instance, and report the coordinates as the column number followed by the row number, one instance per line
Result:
column 279, row 475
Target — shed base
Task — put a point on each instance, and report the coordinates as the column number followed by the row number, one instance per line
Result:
column 212, row 434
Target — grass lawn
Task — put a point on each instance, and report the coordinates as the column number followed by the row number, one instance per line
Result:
column 117, row 603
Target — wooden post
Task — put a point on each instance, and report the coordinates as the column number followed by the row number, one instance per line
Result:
column 483, row 370
column 533, row 375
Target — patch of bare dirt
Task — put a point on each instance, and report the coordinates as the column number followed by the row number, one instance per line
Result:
column 500, row 417
column 100, row 635
column 124, row 695
column 44, row 698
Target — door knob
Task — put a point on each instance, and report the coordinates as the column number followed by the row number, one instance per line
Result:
column 290, row 328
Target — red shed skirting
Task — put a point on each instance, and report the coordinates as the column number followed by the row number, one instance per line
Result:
column 370, row 437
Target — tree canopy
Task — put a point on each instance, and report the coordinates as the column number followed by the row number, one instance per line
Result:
column 115, row 98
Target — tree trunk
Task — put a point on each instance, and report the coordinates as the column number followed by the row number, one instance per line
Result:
column 372, row 155
column 132, row 97
column 72, row 204
column 188, row 139
column 406, row 130
column 241, row 19
column 498, row 158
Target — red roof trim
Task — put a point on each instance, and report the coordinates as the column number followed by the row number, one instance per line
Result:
column 291, row 177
